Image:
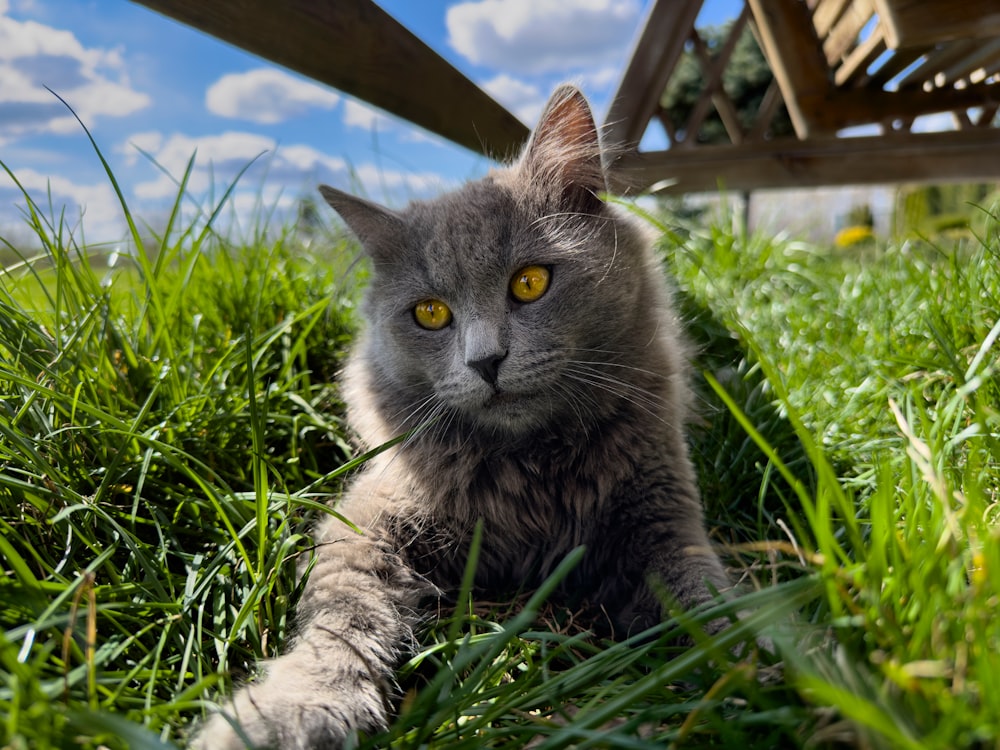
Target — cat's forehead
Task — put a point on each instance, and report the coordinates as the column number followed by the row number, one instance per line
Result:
column 467, row 230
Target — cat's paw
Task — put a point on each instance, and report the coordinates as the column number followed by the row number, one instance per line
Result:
column 290, row 710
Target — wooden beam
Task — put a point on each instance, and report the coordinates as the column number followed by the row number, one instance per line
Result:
column 910, row 23
column 859, row 106
column 936, row 61
column 650, row 66
column 844, row 34
column 768, row 106
column 794, row 55
column 986, row 52
column 714, row 93
column 854, row 68
column 826, row 14
column 904, row 157
column 356, row 47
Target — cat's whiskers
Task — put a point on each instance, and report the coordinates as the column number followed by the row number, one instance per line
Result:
column 614, row 255
column 596, row 369
column 575, row 400
column 414, row 411
column 650, row 403
column 611, row 363
column 624, row 389
column 429, row 423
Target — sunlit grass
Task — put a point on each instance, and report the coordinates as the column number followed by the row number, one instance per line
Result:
column 169, row 423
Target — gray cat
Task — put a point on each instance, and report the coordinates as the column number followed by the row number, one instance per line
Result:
column 521, row 331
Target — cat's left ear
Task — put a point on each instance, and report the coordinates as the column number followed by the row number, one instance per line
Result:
column 378, row 228
column 564, row 152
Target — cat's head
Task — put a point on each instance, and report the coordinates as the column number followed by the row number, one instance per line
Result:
column 518, row 302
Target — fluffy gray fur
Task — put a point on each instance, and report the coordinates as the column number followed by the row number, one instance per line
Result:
column 554, row 423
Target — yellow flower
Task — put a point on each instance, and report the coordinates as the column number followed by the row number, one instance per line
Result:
column 850, row 236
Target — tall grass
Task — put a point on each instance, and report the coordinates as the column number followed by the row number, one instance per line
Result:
column 887, row 367
column 164, row 425
column 169, row 424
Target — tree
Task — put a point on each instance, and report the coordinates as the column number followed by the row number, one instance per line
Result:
column 745, row 79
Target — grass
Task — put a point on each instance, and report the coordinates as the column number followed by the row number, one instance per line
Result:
column 169, row 425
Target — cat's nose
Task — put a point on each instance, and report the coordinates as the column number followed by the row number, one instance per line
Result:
column 488, row 367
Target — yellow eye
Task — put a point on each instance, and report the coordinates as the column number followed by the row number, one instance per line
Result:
column 530, row 283
column 432, row 314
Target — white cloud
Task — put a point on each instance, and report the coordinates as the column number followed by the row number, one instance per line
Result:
column 394, row 187
column 522, row 99
column 358, row 115
column 266, row 96
column 365, row 117
column 149, row 141
column 599, row 78
column 32, row 56
column 96, row 204
column 536, row 36
column 285, row 169
column 220, row 158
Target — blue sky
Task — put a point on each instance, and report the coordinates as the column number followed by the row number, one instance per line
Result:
column 141, row 81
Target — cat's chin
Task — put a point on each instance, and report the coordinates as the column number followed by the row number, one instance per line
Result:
column 514, row 413
column 503, row 399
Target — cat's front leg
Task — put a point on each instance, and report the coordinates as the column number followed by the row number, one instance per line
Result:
column 660, row 524
column 356, row 616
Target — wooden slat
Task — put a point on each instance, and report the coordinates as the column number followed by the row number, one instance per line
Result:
column 936, row 61
column 663, row 117
column 901, row 157
column 853, row 70
column 714, row 92
column 789, row 43
column 986, row 116
column 844, row 35
column 991, row 70
column 650, row 66
column 858, row 106
column 356, row 47
column 895, row 65
column 826, row 14
column 919, row 22
column 768, row 106
column 962, row 121
column 982, row 56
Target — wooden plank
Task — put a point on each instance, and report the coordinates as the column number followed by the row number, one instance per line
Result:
column 986, row 116
column 789, row 43
column 356, row 47
column 853, row 70
column 937, row 61
column 895, row 65
column 844, row 35
column 714, row 92
column 826, row 14
column 650, row 66
column 921, row 22
column 859, row 106
column 768, row 106
column 987, row 52
column 904, row 157
column 663, row 117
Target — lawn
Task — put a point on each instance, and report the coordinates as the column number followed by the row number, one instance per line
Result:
column 169, row 425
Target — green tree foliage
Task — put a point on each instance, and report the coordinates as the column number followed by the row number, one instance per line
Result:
column 745, row 80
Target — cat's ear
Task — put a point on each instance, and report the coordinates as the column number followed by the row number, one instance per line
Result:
column 564, row 153
column 378, row 228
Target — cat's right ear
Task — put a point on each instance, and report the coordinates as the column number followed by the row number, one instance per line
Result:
column 378, row 228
